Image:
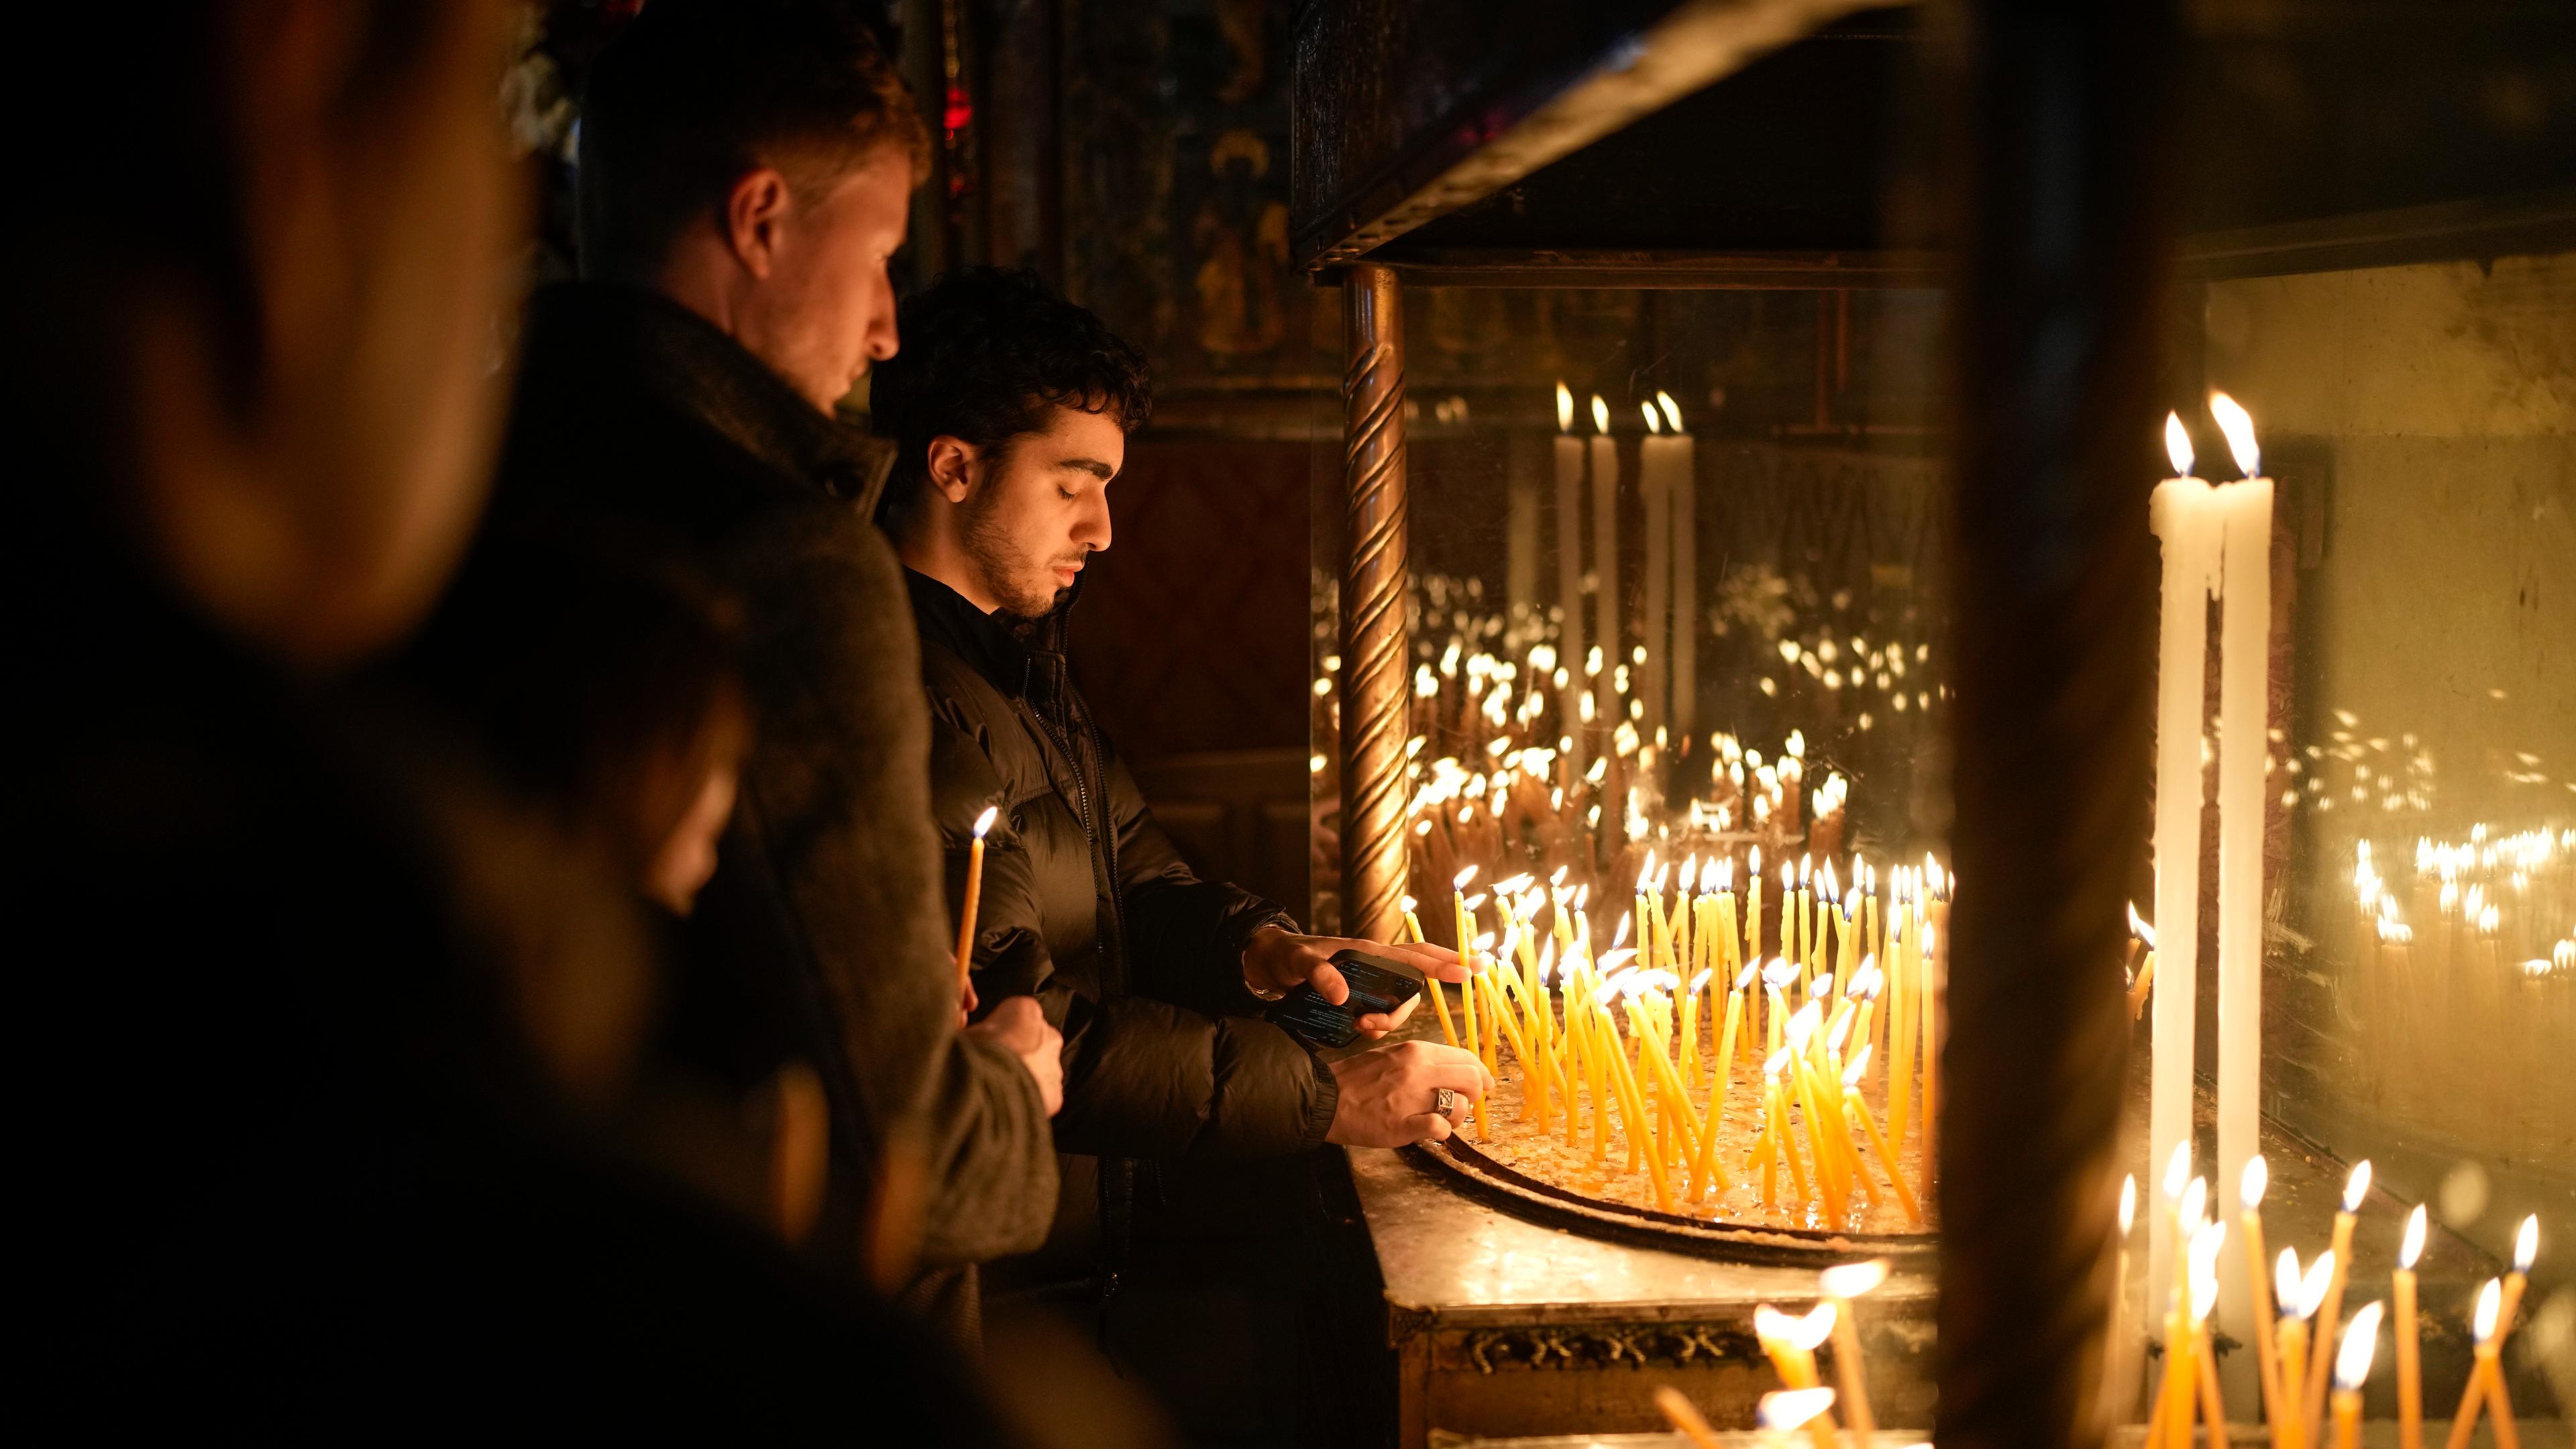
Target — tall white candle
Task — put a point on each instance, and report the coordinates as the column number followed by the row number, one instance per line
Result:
column 1655, row 491
column 1569, row 572
column 1682, row 676
column 2244, row 700
column 1605, row 563
column 1520, row 530
column 2186, row 525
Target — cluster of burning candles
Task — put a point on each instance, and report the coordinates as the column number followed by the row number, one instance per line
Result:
column 1790, row 1341
column 1620, row 1031
column 2297, row 1312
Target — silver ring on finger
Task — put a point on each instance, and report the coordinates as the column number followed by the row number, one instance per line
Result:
column 1446, row 1103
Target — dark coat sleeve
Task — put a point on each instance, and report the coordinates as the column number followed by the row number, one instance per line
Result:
column 1185, row 935
column 836, row 797
column 1143, row 1078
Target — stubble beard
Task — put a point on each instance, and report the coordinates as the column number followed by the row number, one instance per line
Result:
column 1013, row 577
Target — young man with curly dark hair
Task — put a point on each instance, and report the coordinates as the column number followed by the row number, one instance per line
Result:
column 1010, row 412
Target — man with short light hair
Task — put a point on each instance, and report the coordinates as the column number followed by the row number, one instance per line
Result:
column 746, row 168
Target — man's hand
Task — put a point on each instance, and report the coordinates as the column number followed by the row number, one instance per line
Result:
column 1019, row 1025
column 1390, row 1094
column 1275, row 960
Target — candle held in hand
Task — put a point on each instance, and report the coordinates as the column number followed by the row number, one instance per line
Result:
column 974, row 896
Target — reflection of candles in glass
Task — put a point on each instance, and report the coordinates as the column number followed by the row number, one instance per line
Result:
column 2352, row 1366
column 1568, row 460
column 2410, row 1380
column 1664, row 479
column 1683, row 680
column 1654, row 601
column 1612, row 640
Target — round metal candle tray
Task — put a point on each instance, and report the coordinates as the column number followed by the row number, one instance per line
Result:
column 1458, row 1163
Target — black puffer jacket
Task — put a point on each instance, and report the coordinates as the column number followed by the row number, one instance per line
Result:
column 1087, row 906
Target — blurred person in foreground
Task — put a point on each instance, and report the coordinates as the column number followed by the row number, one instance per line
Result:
column 1011, row 409
column 316, row 1032
column 745, row 172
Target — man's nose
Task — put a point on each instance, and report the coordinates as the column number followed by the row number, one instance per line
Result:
column 882, row 340
column 1091, row 529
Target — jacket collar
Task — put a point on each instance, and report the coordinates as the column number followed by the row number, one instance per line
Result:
column 647, row 342
column 1019, row 656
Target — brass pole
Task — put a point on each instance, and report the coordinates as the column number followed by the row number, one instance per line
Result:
column 1374, row 586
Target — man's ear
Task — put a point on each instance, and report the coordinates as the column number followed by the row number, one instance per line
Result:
column 952, row 467
column 755, row 209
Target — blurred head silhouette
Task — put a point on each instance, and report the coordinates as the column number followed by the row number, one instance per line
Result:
column 258, row 324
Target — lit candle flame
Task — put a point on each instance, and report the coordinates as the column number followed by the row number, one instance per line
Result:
column 2128, row 1203
column 2195, row 1203
column 1782, row 1410
column 2178, row 1170
column 1851, row 1280
column 985, row 821
column 2312, row 1287
column 1811, row 1330
column 2413, row 1247
column 2238, row 425
column 2356, row 1186
column 2285, row 1282
column 1802, row 1024
column 1672, row 410
column 1564, row 409
column 2487, row 1308
column 2177, row 442
column 2257, row 1177
column 1600, row 414
column 2526, row 1244
column 2360, row 1341
column 1459, row 881
column 2139, row 928
column 1744, row 978
column 1778, row 1063
column 1859, row 1064
column 1654, row 419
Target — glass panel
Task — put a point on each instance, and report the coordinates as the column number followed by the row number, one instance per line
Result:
column 2421, row 984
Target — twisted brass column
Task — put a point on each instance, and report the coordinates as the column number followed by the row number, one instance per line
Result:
column 1374, row 584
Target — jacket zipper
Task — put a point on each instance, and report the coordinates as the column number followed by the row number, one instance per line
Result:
column 1117, row 1189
